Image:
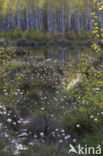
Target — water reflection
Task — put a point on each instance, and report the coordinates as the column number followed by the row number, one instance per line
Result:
column 62, row 54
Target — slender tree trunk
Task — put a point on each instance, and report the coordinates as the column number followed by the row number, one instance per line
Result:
column 27, row 18
column 18, row 17
column 69, row 19
column 63, row 22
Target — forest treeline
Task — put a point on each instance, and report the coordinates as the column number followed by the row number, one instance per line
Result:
column 48, row 15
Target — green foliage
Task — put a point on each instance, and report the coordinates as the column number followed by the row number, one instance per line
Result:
column 82, row 35
column 41, row 36
column 94, row 140
column 6, row 54
column 87, row 94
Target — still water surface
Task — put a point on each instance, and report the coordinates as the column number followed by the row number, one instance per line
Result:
column 69, row 55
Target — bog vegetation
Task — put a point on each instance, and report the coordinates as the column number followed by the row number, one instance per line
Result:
column 45, row 105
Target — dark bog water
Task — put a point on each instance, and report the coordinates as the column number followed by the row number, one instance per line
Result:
column 69, row 55
column 62, row 54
